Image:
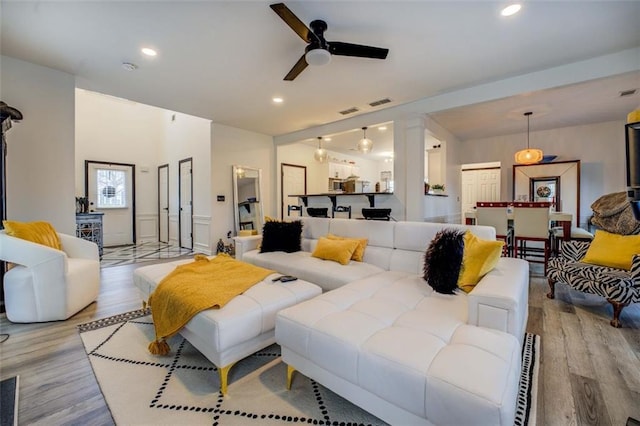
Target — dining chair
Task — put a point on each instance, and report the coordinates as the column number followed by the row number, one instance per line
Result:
column 494, row 213
column 531, row 224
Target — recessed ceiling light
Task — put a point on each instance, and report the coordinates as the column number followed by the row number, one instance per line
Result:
column 512, row 9
column 149, row 51
column 382, row 128
column 277, row 100
column 129, row 66
column 326, row 139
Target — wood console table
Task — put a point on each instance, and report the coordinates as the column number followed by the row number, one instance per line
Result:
column 334, row 195
column 89, row 227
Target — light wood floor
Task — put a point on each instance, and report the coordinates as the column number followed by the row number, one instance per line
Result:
column 590, row 372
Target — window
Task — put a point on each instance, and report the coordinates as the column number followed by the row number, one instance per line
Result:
column 111, row 188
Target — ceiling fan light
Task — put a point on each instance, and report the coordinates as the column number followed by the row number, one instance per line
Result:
column 317, row 57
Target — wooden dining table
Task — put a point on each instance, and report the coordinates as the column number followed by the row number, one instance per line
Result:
column 564, row 219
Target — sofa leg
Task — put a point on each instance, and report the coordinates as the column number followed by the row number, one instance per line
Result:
column 552, row 289
column 290, row 371
column 224, row 373
column 617, row 310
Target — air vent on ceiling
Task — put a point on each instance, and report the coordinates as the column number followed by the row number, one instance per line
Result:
column 628, row 92
column 349, row 111
column 380, row 102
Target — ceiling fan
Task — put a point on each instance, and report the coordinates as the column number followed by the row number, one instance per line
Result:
column 318, row 50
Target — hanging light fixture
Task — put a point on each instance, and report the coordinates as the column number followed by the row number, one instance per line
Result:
column 365, row 145
column 320, row 155
column 528, row 156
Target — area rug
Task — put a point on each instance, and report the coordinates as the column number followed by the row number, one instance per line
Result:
column 183, row 388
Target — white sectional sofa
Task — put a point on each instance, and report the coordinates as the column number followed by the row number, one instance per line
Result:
column 499, row 301
column 382, row 338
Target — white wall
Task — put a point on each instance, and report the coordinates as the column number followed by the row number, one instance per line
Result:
column 230, row 146
column 599, row 146
column 122, row 131
column 186, row 136
column 40, row 160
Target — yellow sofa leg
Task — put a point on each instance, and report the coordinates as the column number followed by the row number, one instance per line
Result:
column 224, row 373
column 290, row 371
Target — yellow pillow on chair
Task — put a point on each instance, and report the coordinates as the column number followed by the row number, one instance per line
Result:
column 612, row 250
column 36, row 232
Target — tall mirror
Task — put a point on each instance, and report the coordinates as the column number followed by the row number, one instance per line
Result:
column 247, row 199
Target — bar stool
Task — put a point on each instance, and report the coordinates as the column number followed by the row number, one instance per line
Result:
column 376, row 214
column 318, row 211
column 341, row 209
column 294, row 208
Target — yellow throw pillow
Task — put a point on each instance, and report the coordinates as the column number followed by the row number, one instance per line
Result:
column 337, row 250
column 612, row 250
column 358, row 255
column 36, row 232
column 480, row 257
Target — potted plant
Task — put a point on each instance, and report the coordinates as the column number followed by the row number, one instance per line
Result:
column 437, row 188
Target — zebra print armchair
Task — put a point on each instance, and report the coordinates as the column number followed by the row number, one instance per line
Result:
column 618, row 286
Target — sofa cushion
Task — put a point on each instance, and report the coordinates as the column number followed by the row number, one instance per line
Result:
column 328, row 275
column 612, row 250
column 480, row 257
column 336, row 250
column 36, row 232
column 443, row 260
column 358, row 254
column 281, row 236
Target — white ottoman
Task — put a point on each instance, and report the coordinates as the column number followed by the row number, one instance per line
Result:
column 392, row 346
column 242, row 327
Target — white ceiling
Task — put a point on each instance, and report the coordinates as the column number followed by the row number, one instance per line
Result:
column 225, row 60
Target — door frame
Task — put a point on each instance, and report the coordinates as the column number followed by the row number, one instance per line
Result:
column 160, row 207
column 185, row 160
column 282, row 166
column 87, row 164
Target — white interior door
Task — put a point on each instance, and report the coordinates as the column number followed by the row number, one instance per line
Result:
column 479, row 185
column 294, row 181
column 110, row 191
column 163, row 203
column 185, row 196
column 469, row 195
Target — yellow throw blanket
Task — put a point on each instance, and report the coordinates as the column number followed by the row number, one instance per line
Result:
column 194, row 287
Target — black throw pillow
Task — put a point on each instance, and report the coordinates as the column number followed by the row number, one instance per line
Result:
column 443, row 260
column 281, row 236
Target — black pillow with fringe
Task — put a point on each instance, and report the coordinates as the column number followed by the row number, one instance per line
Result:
column 281, row 236
column 443, row 261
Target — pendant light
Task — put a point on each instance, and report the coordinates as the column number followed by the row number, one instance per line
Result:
column 528, row 156
column 365, row 145
column 320, row 155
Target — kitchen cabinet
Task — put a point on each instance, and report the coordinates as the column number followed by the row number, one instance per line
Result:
column 343, row 170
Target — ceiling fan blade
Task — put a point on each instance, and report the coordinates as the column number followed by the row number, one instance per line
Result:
column 297, row 69
column 293, row 21
column 349, row 49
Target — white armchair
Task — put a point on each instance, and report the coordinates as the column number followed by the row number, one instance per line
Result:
column 46, row 284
